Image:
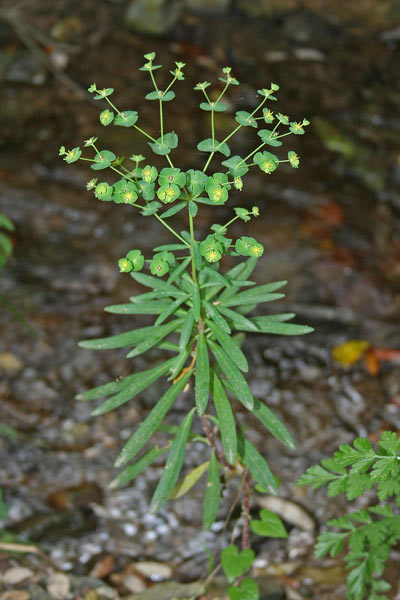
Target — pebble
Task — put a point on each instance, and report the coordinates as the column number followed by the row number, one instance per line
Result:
column 58, row 586
column 16, row 575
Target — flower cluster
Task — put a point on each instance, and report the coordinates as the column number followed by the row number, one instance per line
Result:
column 150, row 189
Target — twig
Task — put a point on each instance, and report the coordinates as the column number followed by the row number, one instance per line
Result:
column 8, row 547
column 211, row 439
column 246, row 510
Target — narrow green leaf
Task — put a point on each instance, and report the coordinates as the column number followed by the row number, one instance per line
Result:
column 216, row 316
column 213, row 493
column 186, row 484
column 196, row 301
column 239, row 321
column 170, row 247
column 173, row 210
column 129, row 338
column 180, row 360
column 229, row 346
column 173, row 464
column 147, row 308
column 272, row 423
column 137, row 467
column 177, row 272
column 138, row 382
column 217, row 277
column 152, row 422
column 265, row 324
column 226, row 420
column 169, row 310
column 257, row 465
column 154, row 282
column 198, row 260
column 233, row 375
column 260, row 293
column 186, row 330
column 202, row 382
column 154, row 337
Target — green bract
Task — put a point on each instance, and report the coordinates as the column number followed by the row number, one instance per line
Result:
column 106, row 117
column 198, row 303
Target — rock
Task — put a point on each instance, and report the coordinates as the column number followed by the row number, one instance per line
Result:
column 274, row 56
column 58, row 586
column 309, row 54
column 255, row 8
column 9, row 362
column 169, row 591
column 16, row 575
column 289, row 511
column 154, row 570
column 154, row 17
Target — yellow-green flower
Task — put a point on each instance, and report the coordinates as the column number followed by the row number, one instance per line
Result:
column 125, row 265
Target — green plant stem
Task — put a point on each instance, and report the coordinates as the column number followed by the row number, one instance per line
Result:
column 191, row 229
column 171, row 230
column 246, row 510
column 161, row 122
column 230, row 222
column 153, row 80
column 283, row 135
column 113, row 105
column 170, row 85
column 230, row 135
column 212, row 127
column 251, row 154
column 222, row 93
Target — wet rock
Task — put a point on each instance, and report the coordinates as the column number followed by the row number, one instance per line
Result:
column 154, row 17
column 304, row 26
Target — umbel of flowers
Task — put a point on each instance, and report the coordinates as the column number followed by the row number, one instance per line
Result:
column 198, row 310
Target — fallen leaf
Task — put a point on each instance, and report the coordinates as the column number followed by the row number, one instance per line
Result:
column 350, row 352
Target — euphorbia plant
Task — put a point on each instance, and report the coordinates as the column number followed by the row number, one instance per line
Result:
column 200, row 311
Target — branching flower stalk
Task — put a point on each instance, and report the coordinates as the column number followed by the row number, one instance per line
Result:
column 201, row 313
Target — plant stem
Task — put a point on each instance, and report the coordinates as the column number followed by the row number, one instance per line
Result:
column 246, row 510
column 171, row 230
column 210, row 436
column 191, row 228
column 251, row 154
column 161, row 122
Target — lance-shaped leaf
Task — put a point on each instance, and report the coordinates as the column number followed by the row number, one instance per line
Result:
column 260, row 293
column 216, row 277
column 202, row 382
column 129, row 338
column 138, row 382
column 155, row 336
column 173, row 465
column 226, row 420
column 102, row 391
column 186, row 484
column 179, row 363
column 137, row 467
column 186, row 330
column 175, row 209
column 214, row 314
column 230, row 347
column 240, row 271
column 213, row 493
column 275, row 324
column 233, row 375
column 147, row 308
column 196, row 301
column 239, row 321
column 170, row 247
column 155, row 283
column 169, row 310
column 177, row 272
column 257, row 465
column 152, row 422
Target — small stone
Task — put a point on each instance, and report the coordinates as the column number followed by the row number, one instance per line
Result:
column 9, row 362
column 16, row 575
column 154, row 570
column 134, row 584
column 309, row 54
column 154, row 17
column 58, row 586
